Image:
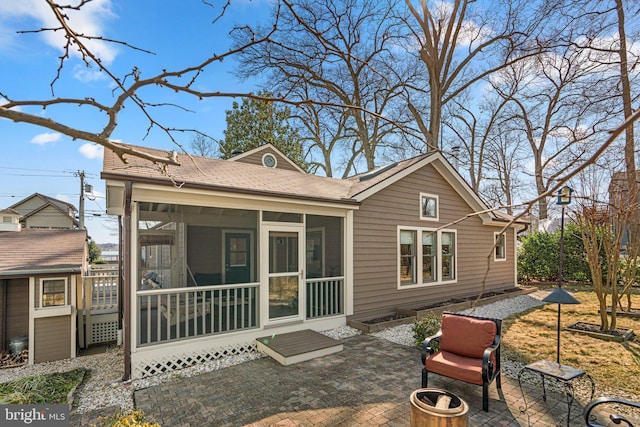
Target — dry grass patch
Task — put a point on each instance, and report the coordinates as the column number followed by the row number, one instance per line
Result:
column 614, row 366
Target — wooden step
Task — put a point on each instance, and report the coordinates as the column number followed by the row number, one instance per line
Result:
column 299, row 346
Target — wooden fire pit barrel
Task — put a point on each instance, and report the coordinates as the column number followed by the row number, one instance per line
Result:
column 438, row 408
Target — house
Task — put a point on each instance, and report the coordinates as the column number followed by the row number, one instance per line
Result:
column 40, row 284
column 618, row 195
column 220, row 252
column 44, row 212
column 9, row 220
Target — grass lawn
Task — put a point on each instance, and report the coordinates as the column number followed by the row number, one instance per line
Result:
column 532, row 336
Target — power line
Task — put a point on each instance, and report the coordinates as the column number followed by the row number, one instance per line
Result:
column 40, row 175
column 33, row 169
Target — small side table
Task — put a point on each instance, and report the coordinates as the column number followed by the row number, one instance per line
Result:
column 561, row 373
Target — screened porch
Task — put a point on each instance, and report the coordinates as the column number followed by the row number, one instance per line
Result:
column 206, row 271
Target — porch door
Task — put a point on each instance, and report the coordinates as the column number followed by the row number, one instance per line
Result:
column 237, row 257
column 284, row 275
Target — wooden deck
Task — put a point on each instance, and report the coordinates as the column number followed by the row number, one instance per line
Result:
column 299, row 346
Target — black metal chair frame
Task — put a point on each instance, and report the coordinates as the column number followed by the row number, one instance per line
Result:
column 615, row 418
column 489, row 371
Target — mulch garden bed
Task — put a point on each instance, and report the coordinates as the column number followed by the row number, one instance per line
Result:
column 593, row 330
column 404, row 316
column 633, row 312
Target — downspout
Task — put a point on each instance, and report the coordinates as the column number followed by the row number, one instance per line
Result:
column 5, row 317
column 127, row 280
column 120, row 280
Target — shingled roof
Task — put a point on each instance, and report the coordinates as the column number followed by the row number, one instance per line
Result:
column 223, row 175
column 42, row 251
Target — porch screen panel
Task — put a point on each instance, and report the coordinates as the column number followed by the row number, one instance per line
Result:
column 324, row 246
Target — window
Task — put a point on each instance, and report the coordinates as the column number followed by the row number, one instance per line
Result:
column 429, row 256
column 448, row 256
column 429, row 207
column 407, row 257
column 6, row 219
column 501, row 247
column 54, row 292
column 431, row 262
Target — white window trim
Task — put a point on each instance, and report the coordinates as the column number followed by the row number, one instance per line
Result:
column 431, row 196
column 53, row 310
column 504, row 251
column 419, row 257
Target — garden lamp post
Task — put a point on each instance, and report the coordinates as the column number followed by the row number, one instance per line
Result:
column 559, row 295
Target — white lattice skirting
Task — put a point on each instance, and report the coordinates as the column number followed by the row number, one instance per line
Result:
column 104, row 332
column 160, row 364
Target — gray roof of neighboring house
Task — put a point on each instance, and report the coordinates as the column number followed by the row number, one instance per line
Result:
column 222, row 175
column 9, row 211
column 60, row 204
column 41, row 251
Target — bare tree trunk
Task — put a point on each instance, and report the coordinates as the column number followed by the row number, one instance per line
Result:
column 631, row 204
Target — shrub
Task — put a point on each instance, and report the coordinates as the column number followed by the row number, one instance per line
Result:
column 424, row 328
column 538, row 256
column 133, row 418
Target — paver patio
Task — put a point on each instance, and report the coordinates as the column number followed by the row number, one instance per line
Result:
column 367, row 384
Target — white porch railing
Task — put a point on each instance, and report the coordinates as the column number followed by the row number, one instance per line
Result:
column 101, row 291
column 325, row 297
column 173, row 314
column 98, row 310
column 103, row 270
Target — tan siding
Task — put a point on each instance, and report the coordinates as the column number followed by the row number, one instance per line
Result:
column 17, row 309
column 376, row 252
column 49, row 217
column 52, row 338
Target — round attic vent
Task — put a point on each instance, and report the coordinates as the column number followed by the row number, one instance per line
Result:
column 269, row 160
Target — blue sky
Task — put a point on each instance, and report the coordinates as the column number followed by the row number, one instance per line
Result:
column 180, row 33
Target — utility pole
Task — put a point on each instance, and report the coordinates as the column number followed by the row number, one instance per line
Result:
column 81, row 207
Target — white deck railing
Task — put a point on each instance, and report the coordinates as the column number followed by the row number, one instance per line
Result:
column 325, row 297
column 174, row 314
column 101, row 292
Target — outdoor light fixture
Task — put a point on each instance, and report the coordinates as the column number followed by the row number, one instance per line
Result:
column 559, row 295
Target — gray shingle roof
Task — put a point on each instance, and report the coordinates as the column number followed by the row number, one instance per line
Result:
column 36, row 250
column 9, row 211
column 224, row 175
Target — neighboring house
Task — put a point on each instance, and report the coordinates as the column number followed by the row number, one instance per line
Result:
column 44, row 212
column 618, row 194
column 40, row 281
column 9, row 220
column 220, row 252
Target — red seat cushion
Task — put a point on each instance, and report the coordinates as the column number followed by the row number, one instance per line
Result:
column 451, row 365
column 466, row 336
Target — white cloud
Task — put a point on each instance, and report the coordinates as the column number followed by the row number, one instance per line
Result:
column 91, row 151
column 88, row 75
column 46, row 138
column 64, row 198
column 90, row 21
